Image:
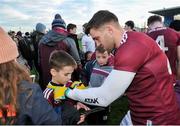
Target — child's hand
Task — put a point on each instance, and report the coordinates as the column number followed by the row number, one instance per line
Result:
column 82, row 118
column 80, row 105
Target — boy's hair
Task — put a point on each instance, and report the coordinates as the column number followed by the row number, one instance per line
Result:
column 100, row 49
column 100, row 18
column 130, row 24
column 70, row 26
column 60, row 59
column 86, row 54
column 153, row 19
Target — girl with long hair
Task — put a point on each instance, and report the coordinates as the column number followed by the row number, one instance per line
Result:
column 21, row 101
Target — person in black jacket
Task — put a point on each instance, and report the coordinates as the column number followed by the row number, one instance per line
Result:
column 21, row 101
column 55, row 39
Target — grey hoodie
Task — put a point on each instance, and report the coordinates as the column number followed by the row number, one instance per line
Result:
column 52, row 38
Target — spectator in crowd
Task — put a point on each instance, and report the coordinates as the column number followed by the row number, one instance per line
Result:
column 21, row 101
column 175, row 25
column 87, row 57
column 71, row 28
column 129, row 26
column 55, row 39
column 36, row 37
column 88, row 43
column 27, row 50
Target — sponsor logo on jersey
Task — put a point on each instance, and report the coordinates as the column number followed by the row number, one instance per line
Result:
column 89, row 100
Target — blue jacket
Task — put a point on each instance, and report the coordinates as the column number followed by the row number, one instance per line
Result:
column 33, row 108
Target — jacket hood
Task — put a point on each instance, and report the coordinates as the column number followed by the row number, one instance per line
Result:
column 52, row 37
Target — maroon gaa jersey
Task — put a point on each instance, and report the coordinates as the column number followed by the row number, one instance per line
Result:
column 168, row 39
column 151, row 94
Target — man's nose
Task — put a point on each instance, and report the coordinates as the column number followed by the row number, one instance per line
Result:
column 69, row 77
column 98, row 44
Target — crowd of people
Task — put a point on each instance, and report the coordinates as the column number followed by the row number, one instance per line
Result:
column 75, row 74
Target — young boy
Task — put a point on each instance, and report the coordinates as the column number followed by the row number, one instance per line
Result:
column 101, row 68
column 96, row 72
column 61, row 67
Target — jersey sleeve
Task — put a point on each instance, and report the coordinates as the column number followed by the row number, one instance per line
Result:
column 48, row 94
column 130, row 57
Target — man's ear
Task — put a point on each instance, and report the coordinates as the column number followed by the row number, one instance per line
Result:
column 110, row 29
column 53, row 72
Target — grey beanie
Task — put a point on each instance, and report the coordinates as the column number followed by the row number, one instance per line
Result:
column 41, row 28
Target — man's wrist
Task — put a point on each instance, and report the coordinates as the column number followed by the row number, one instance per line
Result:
column 67, row 92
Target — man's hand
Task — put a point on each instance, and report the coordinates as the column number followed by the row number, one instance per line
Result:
column 82, row 118
column 78, row 85
column 80, row 105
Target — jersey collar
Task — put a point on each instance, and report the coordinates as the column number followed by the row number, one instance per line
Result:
column 124, row 37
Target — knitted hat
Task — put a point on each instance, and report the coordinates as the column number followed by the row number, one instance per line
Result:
column 41, row 28
column 57, row 16
column 8, row 48
column 58, row 22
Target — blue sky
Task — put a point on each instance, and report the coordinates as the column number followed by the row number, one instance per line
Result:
column 24, row 15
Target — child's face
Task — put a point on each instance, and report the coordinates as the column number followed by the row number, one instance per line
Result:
column 102, row 58
column 89, row 55
column 63, row 75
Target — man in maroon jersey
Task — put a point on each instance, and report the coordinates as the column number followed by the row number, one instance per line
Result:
column 169, row 41
column 141, row 70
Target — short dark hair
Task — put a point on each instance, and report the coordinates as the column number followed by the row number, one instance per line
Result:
column 130, row 24
column 86, row 54
column 100, row 49
column 85, row 25
column 100, row 18
column 71, row 26
column 27, row 33
column 60, row 59
column 153, row 19
column 175, row 25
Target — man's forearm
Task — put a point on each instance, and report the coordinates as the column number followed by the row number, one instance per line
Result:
column 114, row 86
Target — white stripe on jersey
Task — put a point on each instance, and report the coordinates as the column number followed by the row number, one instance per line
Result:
column 50, row 91
column 44, row 92
column 101, row 70
column 47, row 93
